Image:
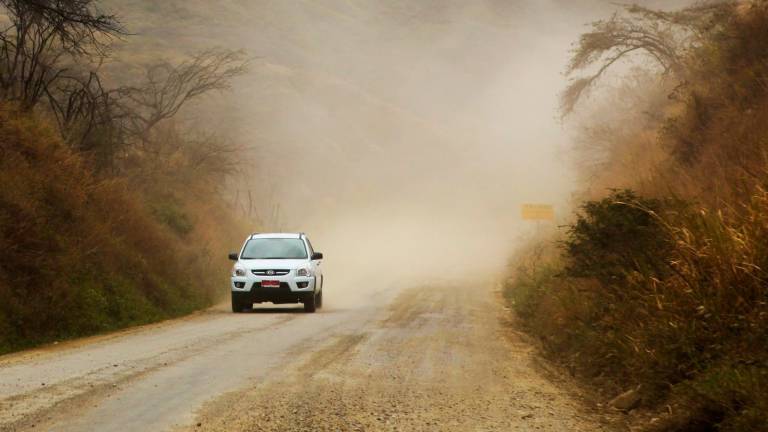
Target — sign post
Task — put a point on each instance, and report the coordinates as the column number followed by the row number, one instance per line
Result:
column 538, row 213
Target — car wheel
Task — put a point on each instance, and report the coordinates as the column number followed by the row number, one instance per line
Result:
column 319, row 300
column 310, row 303
column 237, row 305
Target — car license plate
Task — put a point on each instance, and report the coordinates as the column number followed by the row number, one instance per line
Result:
column 270, row 284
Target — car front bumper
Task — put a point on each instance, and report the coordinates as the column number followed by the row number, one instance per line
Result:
column 291, row 286
column 253, row 292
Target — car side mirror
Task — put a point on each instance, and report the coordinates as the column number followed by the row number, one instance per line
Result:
column 317, row 256
column 233, row 256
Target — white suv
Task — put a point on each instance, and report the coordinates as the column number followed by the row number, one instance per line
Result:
column 278, row 268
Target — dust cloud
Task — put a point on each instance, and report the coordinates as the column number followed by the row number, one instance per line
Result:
column 401, row 135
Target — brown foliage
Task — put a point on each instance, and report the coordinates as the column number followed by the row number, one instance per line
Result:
column 695, row 334
column 82, row 254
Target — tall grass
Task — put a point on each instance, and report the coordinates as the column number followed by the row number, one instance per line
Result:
column 682, row 308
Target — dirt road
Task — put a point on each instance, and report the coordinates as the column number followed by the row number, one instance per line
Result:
column 425, row 359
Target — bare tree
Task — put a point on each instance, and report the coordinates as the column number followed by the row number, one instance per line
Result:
column 108, row 122
column 664, row 38
column 168, row 88
column 42, row 42
column 89, row 117
column 51, row 52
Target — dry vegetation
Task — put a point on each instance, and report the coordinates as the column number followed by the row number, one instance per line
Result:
column 665, row 288
column 110, row 214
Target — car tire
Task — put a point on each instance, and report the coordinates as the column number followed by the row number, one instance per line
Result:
column 310, row 303
column 319, row 300
column 238, row 305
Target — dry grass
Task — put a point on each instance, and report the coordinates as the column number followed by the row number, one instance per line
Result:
column 692, row 332
column 686, row 317
column 84, row 254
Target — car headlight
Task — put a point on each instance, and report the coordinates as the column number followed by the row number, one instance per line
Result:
column 238, row 271
column 303, row 272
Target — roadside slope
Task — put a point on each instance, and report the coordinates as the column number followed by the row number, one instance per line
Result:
column 84, row 253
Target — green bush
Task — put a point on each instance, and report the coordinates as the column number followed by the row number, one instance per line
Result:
column 169, row 214
column 617, row 236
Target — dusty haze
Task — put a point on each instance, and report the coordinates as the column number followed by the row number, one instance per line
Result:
column 401, row 136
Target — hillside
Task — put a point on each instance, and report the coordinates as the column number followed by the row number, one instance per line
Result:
column 659, row 293
column 113, row 213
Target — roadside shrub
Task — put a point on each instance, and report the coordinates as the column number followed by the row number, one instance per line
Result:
column 681, row 306
column 168, row 213
column 618, row 236
column 84, row 254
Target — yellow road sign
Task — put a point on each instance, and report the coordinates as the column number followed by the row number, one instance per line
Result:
column 537, row 212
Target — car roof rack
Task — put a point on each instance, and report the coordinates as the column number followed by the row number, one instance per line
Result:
column 299, row 234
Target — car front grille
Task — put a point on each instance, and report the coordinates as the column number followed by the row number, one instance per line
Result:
column 270, row 272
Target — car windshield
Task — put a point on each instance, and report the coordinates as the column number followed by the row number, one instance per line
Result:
column 274, row 248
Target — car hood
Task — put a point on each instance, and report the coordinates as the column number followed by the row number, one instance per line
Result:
column 274, row 264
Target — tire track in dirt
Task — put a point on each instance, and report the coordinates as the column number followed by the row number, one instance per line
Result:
column 49, row 402
column 438, row 361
